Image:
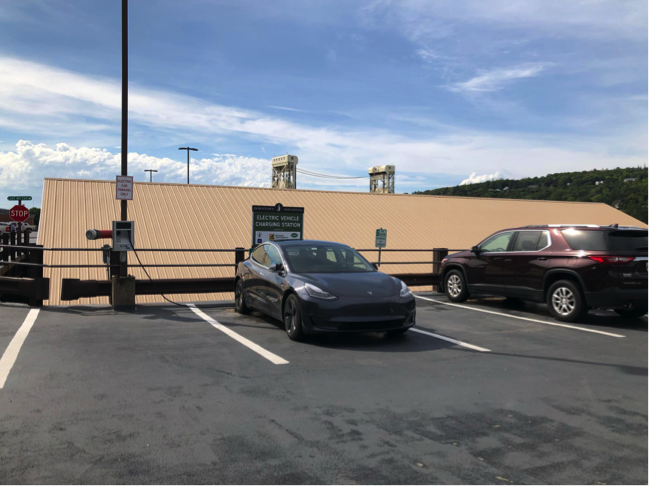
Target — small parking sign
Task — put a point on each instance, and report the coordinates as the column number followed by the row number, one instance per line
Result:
column 381, row 238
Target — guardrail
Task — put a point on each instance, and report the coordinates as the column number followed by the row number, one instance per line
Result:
column 36, row 288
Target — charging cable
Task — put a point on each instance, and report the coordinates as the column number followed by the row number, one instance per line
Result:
column 147, row 274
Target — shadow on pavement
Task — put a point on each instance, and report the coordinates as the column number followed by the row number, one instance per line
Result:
column 532, row 310
column 627, row 369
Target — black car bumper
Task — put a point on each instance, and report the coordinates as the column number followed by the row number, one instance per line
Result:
column 357, row 315
column 617, row 298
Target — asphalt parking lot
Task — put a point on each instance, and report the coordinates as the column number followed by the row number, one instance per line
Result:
column 487, row 392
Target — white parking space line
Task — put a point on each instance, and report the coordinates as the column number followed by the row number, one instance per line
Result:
column 451, row 340
column 273, row 358
column 522, row 318
column 11, row 353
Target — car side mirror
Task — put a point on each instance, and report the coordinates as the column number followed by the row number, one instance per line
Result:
column 276, row 267
column 376, row 267
column 476, row 250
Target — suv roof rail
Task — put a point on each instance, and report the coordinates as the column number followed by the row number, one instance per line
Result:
column 573, row 225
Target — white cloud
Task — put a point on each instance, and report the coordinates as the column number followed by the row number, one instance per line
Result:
column 420, row 20
column 59, row 103
column 496, row 79
column 287, row 108
column 30, row 163
column 474, row 178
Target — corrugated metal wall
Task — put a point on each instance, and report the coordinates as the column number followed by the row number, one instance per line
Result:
column 194, row 216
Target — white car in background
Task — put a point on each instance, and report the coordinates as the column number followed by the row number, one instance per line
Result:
column 5, row 227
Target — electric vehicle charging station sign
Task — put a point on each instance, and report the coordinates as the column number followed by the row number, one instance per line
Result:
column 277, row 223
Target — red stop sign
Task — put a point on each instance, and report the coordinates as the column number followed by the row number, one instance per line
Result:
column 19, row 213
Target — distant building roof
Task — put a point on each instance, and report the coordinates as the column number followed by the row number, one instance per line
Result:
column 196, row 216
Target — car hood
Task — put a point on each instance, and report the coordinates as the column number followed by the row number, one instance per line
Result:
column 353, row 284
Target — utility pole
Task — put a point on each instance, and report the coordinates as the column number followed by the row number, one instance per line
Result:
column 150, row 171
column 188, row 149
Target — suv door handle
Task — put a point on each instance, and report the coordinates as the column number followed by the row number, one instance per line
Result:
column 542, row 258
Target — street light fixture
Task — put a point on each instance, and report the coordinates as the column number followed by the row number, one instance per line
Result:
column 150, row 171
column 188, row 149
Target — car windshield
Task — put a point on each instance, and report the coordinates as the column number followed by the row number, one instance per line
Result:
column 595, row 240
column 325, row 259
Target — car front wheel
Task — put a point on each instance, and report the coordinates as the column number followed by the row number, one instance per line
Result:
column 455, row 286
column 565, row 301
column 293, row 318
column 239, row 299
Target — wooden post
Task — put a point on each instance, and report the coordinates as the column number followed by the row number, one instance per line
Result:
column 35, row 256
column 239, row 256
column 4, row 254
column 438, row 255
column 12, row 242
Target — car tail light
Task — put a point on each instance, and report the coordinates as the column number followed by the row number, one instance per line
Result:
column 612, row 260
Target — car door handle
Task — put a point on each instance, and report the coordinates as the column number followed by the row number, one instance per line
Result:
column 497, row 259
column 542, row 258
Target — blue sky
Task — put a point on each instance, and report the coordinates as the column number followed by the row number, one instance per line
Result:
column 447, row 90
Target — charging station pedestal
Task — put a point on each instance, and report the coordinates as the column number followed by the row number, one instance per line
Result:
column 123, row 285
column 123, row 293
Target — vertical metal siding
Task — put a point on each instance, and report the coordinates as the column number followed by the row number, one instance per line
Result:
column 195, row 216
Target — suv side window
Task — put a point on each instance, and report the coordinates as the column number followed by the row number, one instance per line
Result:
column 259, row 255
column 273, row 256
column 497, row 243
column 530, row 240
column 544, row 240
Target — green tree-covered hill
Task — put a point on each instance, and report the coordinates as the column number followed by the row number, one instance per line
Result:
column 607, row 186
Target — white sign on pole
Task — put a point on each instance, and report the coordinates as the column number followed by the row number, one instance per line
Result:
column 381, row 238
column 124, row 188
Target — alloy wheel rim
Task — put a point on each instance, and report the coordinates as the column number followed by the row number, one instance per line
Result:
column 289, row 317
column 454, row 285
column 237, row 296
column 563, row 301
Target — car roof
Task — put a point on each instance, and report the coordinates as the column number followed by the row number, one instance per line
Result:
column 307, row 243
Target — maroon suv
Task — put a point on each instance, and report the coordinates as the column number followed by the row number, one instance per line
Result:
column 570, row 267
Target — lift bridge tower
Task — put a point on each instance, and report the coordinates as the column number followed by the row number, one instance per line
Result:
column 382, row 179
column 284, row 172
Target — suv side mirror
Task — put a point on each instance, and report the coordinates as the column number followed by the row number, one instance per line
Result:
column 276, row 267
column 475, row 249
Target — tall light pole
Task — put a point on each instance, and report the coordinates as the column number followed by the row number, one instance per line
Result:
column 124, row 146
column 150, row 171
column 188, row 149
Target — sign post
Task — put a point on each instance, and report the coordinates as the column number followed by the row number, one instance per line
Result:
column 381, row 241
column 19, row 213
column 277, row 223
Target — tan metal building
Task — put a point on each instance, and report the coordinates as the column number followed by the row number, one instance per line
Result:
column 195, row 216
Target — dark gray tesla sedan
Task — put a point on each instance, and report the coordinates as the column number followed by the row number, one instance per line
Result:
column 319, row 287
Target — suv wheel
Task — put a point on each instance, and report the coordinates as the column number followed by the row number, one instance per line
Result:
column 565, row 301
column 455, row 286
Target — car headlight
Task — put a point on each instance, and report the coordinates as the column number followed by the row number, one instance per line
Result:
column 404, row 291
column 318, row 293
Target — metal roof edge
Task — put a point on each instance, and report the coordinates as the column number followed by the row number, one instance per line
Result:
column 176, row 184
